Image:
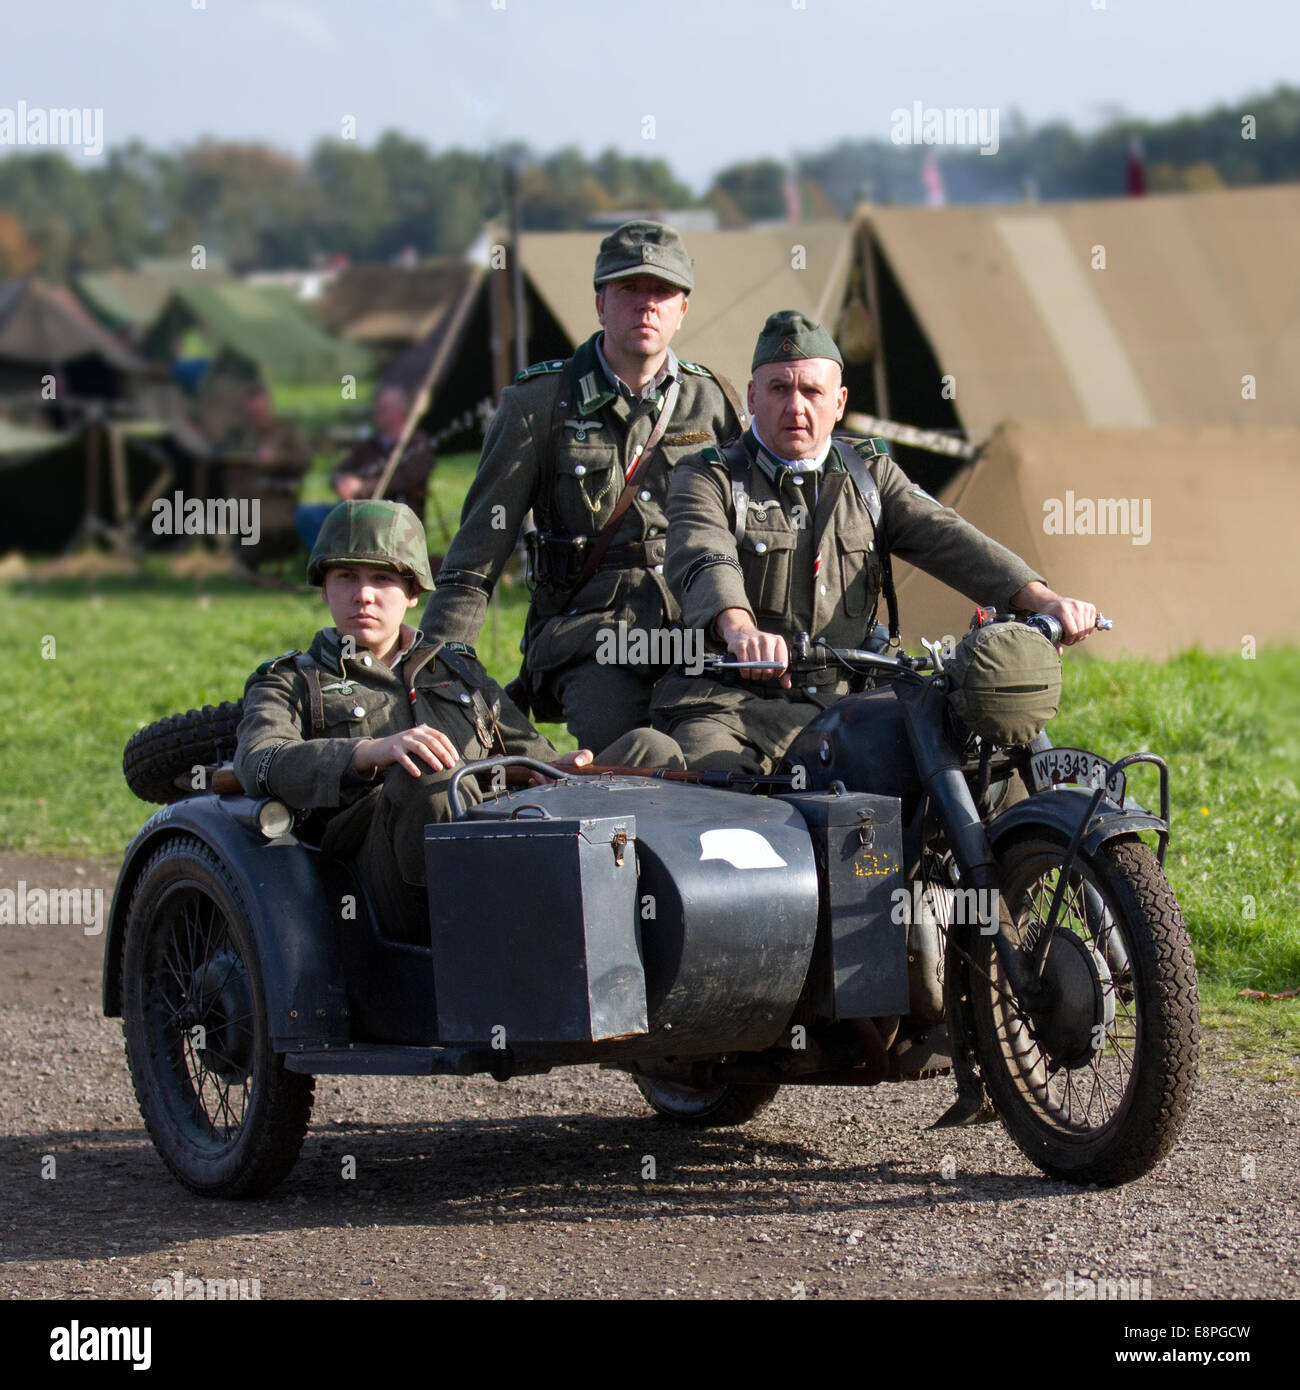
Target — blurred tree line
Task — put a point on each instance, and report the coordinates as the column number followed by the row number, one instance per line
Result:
column 259, row 207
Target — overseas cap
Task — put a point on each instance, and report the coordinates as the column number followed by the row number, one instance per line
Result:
column 372, row 532
column 645, row 248
column 789, row 336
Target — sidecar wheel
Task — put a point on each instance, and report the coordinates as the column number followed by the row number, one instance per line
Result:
column 1096, row 1089
column 224, row 1113
column 717, row 1106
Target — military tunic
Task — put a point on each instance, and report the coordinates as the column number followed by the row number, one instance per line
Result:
column 379, row 818
column 808, row 561
column 596, row 432
column 305, row 759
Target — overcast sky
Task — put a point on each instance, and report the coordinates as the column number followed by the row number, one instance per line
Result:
column 723, row 80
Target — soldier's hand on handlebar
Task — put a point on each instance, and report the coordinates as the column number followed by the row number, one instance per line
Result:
column 410, row 747
column 746, row 643
column 1076, row 616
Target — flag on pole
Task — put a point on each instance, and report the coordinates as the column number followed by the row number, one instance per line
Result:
column 1135, row 174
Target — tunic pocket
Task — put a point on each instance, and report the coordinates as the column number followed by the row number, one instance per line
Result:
column 767, row 559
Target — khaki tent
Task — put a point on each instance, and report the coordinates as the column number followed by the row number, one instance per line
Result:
column 1117, row 313
column 264, row 328
column 1196, row 545
column 740, row 278
column 45, row 329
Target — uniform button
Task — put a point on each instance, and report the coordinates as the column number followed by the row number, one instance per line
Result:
column 464, row 699
column 823, row 588
column 761, row 548
column 659, row 569
column 358, row 711
column 811, row 689
column 797, row 480
column 646, row 494
column 580, row 470
column 365, row 660
column 870, row 546
column 652, row 531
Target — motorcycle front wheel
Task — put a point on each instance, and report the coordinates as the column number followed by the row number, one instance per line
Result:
column 1094, row 1085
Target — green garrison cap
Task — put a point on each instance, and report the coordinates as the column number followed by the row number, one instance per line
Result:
column 645, row 248
column 368, row 532
column 788, row 336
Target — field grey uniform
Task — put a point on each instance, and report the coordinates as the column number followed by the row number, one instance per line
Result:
column 808, row 561
column 560, row 443
column 305, row 713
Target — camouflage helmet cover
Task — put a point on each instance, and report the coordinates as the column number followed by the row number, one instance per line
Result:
column 372, row 532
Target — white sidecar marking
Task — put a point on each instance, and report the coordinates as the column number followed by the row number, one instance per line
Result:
column 742, row 849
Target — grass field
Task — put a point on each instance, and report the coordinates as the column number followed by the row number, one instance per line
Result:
column 88, row 665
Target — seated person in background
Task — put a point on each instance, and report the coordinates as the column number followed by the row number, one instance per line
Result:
column 368, row 724
column 357, row 474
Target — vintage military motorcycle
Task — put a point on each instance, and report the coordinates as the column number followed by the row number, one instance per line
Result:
column 925, row 886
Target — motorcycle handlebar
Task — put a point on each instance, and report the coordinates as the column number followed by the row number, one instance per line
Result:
column 804, row 658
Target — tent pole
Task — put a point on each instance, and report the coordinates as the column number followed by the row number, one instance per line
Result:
column 449, row 341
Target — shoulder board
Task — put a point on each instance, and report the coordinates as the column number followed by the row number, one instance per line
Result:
column 465, row 665
column 540, row 369
column 277, row 661
column 714, row 455
column 463, row 648
column 872, row 448
column 693, row 367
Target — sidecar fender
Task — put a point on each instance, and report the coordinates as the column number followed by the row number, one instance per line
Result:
column 292, row 895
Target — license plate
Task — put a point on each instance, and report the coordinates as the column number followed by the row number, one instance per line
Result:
column 1079, row 766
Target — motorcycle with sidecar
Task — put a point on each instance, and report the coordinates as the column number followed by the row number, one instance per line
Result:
column 907, row 896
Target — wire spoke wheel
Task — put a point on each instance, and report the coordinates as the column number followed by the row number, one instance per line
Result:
column 225, row 1115
column 1094, row 1080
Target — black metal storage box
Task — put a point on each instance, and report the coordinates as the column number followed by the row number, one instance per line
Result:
column 540, row 934
column 533, row 926
column 860, row 965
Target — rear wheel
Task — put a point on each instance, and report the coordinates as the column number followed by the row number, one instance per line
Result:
column 223, row 1111
column 728, row 1104
column 1094, row 1082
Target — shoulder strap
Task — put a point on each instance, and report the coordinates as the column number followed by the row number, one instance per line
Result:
column 559, row 410
column 855, row 454
column 310, row 674
column 737, row 460
column 733, row 400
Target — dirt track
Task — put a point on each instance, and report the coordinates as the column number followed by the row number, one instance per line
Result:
column 470, row 1189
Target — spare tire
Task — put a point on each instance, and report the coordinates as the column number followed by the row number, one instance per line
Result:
column 160, row 752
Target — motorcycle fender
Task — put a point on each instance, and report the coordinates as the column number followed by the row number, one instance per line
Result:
column 293, row 896
column 1061, row 810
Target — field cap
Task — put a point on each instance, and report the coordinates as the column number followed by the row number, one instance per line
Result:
column 789, row 336
column 645, row 248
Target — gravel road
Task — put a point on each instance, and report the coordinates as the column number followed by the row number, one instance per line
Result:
column 562, row 1186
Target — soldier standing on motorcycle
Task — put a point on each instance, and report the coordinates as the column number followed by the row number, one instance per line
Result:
column 788, row 530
